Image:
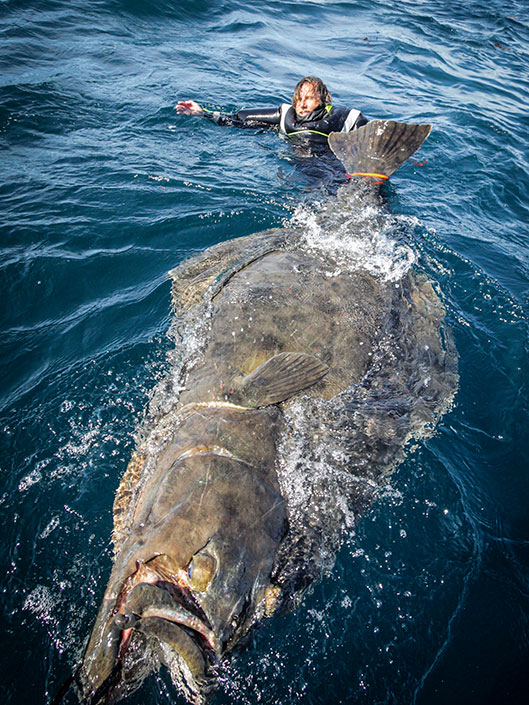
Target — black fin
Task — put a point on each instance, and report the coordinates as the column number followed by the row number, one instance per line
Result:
column 278, row 379
column 379, row 147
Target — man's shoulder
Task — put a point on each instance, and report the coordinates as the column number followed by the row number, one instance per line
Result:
column 345, row 119
column 339, row 111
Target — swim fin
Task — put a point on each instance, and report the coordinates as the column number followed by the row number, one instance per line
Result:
column 379, row 147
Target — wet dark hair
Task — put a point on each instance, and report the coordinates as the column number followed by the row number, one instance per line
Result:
column 319, row 87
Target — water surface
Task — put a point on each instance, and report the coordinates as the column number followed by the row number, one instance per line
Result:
column 104, row 188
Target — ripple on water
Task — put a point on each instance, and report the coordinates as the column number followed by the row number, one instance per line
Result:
column 104, row 189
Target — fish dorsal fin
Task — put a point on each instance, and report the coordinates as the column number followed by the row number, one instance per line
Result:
column 277, row 379
column 379, row 147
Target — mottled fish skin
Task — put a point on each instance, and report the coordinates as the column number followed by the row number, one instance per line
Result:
column 204, row 524
column 205, row 542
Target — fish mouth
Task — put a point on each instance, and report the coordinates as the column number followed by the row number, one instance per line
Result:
column 171, row 616
column 161, row 618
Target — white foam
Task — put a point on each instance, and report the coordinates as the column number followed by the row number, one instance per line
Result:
column 316, row 479
column 30, row 479
column 41, row 603
column 51, row 526
column 363, row 237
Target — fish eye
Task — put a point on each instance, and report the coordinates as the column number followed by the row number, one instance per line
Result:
column 201, row 570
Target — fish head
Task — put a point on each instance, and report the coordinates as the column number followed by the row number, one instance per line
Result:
column 187, row 584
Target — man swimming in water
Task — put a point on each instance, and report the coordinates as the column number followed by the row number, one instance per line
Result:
column 311, row 114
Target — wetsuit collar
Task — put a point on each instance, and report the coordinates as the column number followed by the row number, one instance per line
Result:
column 317, row 114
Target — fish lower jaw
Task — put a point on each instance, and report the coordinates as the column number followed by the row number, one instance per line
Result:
column 151, row 594
column 178, row 641
column 196, row 691
column 158, row 601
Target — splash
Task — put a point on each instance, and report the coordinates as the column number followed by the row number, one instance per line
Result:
column 358, row 236
column 41, row 603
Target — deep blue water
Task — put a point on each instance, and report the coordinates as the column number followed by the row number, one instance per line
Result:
column 104, row 188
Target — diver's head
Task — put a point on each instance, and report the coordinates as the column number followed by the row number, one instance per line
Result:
column 310, row 94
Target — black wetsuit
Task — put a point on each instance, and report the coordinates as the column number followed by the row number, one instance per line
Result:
column 313, row 128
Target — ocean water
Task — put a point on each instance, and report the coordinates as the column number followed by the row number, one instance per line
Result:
column 103, row 189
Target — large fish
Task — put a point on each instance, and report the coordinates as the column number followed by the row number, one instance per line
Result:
column 286, row 357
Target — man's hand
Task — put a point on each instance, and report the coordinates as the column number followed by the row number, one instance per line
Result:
column 188, row 107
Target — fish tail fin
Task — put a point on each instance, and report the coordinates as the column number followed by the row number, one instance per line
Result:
column 378, row 148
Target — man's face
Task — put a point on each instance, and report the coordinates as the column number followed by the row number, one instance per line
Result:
column 309, row 100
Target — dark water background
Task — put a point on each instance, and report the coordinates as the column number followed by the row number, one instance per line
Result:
column 103, row 189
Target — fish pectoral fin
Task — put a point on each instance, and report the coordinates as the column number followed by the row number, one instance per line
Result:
column 277, row 379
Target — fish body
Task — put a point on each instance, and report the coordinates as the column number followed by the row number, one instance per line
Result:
column 299, row 357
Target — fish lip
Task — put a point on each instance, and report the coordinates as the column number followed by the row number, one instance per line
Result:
column 187, row 615
column 92, row 685
column 175, row 583
column 194, row 619
column 183, row 611
column 105, row 692
column 186, row 598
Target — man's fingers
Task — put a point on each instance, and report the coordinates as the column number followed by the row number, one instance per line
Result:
column 188, row 106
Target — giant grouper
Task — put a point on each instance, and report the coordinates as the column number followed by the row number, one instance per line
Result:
column 285, row 357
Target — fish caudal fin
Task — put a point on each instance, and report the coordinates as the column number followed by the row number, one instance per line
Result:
column 378, row 148
column 278, row 378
